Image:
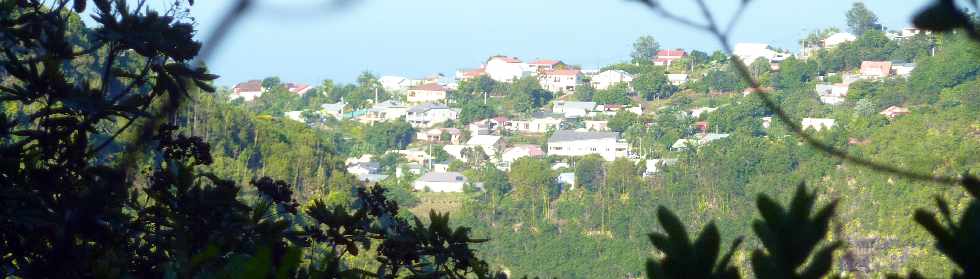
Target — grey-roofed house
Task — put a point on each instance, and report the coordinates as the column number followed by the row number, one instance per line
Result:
column 573, row 109
column 430, row 114
column 608, row 145
column 440, row 182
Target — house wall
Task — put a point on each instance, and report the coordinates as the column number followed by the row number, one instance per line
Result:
column 425, row 96
column 446, row 187
column 609, row 149
column 502, row 71
column 431, row 118
column 534, row 126
column 560, row 83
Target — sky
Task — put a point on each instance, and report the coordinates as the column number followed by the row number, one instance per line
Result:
column 306, row 41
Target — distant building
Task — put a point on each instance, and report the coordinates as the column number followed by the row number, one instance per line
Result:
column 573, row 109
column 539, row 123
column 817, row 123
column 677, row 79
column 560, row 81
column 367, row 171
column 384, row 111
column 609, row 78
column 566, row 181
column 697, row 112
column 698, row 141
column 451, row 182
column 336, row 110
column 875, row 69
column 462, row 75
column 397, row 83
column 608, row 145
column 838, row 38
column 488, row 143
column 654, row 166
column 903, row 69
column 427, row 93
column 247, row 91
column 894, row 111
column 429, row 114
column 668, row 56
column 519, row 151
column 832, row 94
column 441, row 135
column 298, row 88
column 542, row 65
column 506, row 69
column 596, row 125
column 296, row 115
column 749, row 52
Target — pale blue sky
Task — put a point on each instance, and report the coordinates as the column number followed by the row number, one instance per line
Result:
column 301, row 41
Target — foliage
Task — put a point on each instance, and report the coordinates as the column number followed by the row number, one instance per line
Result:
column 645, row 49
column 685, row 259
column 389, row 136
column 616, row 94
column 860, row 19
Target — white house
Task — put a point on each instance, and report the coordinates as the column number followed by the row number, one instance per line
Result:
column 427, row 93
column 397, row 83
column 366, row 171
column 560, row 80
column 455, row 150
column 903, row 69
column 697, row 141
column 451, row 182
column 749, row 52
column 296, row 115
column 506, row 69
column 467, row 74
column 697, row 112
column 519, row 151
column 653, row 166
column 817, row 123
column 838, row 38
column 414, row 155
column 875, row 69
column 573, row 109
column 247, row 91
column 538, row 123
column 608, row 78
column 832, row 94
column 608, row 145
column 336, row 110
column 488, row 143
column 677, row 79
column 429, row 114
column 384, row 111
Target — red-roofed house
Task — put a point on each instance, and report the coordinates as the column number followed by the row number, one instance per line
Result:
column 560, row 80
column 298, row 88
column 667, row 56
column 876, row 69
column 520, row 151
column 427, row 93
column 247, row 91
column 462, row 75
column 545, row 65
column 894, row 111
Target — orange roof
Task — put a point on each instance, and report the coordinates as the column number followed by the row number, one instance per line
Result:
column 473, row 73
column 429, row 87
column 876, row 67
column 549, row 62
column 507, row 59
column 669, row 52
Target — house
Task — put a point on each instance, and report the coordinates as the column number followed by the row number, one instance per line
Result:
column 894, row 111
column 427, row 93
column 697, row 141
column 489, row 143
column 449, row 182
column 903, row 69
column 906, row 33
column 832, row 94
column 560, row 81
column 697, row 112
column 817, row 123
column 462, row 75
column 609, row 78
column 539, row 123
column 838, row 38
column 875, row 69
column 336, row 109
column 677, row 79
column 573, row 109
column 296, row 115
column 247, row 91
column 441, row 135
column 384, row 111
column 653, row 166
column 414, row 155
column 298, row 88
column 429, row 114
column 455, row 150
column 397, row 83
column 596, row 125
column 668, row 56
column 367, row 171
column 542, row 65
column 749, row 52
column 487, row 126
column 519, row 151
column 410, row 168
column 506, row 69
column 608, row 145
column 566, row 181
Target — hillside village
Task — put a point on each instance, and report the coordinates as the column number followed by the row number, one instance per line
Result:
column 464, row 120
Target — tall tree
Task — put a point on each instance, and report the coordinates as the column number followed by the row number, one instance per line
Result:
column 645, row 49
column 860, row 19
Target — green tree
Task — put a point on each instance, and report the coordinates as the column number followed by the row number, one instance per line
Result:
column 623, row 120
column 653, row 85
column 589, row 172
column 526, row 95
column 645, row 49
column 584, row 92
column 474, row 111
column 386, row 136
column 270, row 83
column 616, row 94
column 860, row 19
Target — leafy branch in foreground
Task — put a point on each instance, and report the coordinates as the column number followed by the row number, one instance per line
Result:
column 683, row 259
column 959, row 241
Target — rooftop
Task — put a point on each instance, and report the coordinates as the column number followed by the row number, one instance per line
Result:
column 561, row 136
column 443, row 177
